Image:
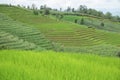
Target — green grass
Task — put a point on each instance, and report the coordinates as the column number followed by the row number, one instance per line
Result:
column 8, row 41
column 93, row 22
column 49, row 65
column 23, row 24
column 24, row 32
column 66, row 33
column 102, row 50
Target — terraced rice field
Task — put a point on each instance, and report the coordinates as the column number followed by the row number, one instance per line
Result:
column 65, row 33
column 93, row 22
column 23, row 32
column 8, row 41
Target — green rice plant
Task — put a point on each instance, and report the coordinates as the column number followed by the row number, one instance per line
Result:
column 93, row 22
column 43, row 30
column 49, row 65
column 24, row 32
column 8, row 41
column 102, row 50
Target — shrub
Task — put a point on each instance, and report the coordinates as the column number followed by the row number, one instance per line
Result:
column 82, row 21
column 118, row 54
column 102, row 24
column 76, row 20
column 35, row 12
column 46, row 12
column 41, row 12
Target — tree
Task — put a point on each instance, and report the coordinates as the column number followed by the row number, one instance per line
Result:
column 89, row 11
column 82, row 21
column 68, row 9
column 28, row 7
column 108, row 15
column 61, row 16
column 35, row 12
column 60, row 9
column 82, row 9
column 73, row 9
column 41, row 7
column 102, row 24
column 18, row 5
column 76, row 20
column 100, row 14
column 33, row 6
column 118, row 54
column 46, row 12
column 116, row 18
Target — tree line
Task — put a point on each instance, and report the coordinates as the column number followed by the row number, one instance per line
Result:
column 82, row 10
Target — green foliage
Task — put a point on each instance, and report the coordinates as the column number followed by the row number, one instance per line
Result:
column 59, row 16
column 61, row 32
column 35, row 12
column 82, row 21
column 24, row 33
column 118, row 54
column 48, row 65
column 76, row 20
column 102, row 50
column 108, row 15
column 46, row 11
column 94, row 22
column 102, row 24
column 8, row 41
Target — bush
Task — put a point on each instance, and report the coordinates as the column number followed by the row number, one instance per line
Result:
column 82, row 21
column 41, row 12
column 118, row 54
column 76, row 20
column 35, row 12
column 102, row 24
column 46, row 12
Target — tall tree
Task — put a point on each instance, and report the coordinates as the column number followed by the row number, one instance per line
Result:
column 108, row 15
column 68, row 9
column 82, row 9
column 73, row 9
column 33, row 6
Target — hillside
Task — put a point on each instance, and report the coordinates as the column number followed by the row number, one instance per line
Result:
column 47, row 32
column 24, row 33
column 65, row 33
column 8, row 41
column 48, row 65
column 95, row 22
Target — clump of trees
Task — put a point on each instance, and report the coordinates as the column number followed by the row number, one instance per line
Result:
column 44, row 10
column 83, row 10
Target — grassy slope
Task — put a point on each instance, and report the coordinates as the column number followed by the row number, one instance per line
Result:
column 24, row 32
column 93, row 22
column 48, row 65
column 8, row 41
column 69, row 34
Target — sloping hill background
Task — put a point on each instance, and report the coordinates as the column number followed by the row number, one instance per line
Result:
column 66, row 33
column 8, row 41
column 95, row 22
column 66, row 36
column 24, row 32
